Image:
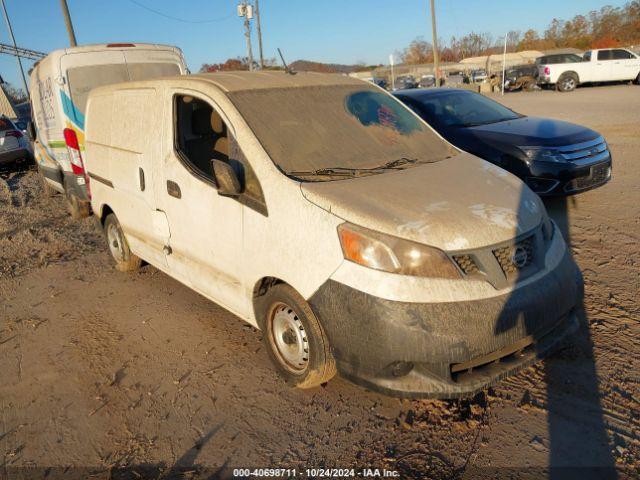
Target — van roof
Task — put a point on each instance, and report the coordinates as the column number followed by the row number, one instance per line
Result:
column 98, row 47
column 237, row 81
column 241, row 81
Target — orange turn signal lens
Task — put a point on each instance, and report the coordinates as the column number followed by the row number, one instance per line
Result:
column 394, row 255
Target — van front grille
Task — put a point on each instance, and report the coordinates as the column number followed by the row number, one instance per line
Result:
column 466, row 264
column 514, row 258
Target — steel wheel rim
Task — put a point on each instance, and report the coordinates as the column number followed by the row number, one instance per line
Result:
column 116, row 242
column 289, row 338
column 569, row 83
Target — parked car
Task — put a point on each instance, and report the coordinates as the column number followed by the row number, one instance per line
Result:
column 321, row 210
column 22, row 125
column 427, row 81
column 521, row 77
column 604, row 65
column 381, row 82
column 551, row 156
column 478, row 76
column 405, row 82
column 14, row 145
column 60, row 84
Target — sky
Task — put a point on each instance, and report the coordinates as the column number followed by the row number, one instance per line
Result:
column 332, row 31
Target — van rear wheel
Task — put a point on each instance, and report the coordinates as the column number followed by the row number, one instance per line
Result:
column 78, row 208
column 118, row 246
column 294, row 338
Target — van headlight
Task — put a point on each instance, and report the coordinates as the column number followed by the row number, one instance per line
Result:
column 542, row 154
column 394, row 255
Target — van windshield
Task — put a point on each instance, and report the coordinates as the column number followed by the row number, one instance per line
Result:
column 317, row 133
column 83, row 79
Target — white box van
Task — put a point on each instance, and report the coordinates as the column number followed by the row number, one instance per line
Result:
column 321, row 210
column 60, row 84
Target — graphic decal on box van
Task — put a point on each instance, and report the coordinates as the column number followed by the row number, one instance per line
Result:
column 71, row 111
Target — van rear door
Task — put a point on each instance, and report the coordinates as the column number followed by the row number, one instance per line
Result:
column 85, row 71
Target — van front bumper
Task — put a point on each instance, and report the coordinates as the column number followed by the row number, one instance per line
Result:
column 448, row 349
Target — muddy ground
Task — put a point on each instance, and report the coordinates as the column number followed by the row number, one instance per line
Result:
column 101, row 369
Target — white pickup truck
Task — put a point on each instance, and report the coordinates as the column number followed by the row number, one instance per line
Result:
column 604, row 65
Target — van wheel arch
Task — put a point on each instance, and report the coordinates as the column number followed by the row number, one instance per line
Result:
column 106, row 210
column 260, row 289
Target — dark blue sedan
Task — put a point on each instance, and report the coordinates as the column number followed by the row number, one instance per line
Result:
column 551, row 156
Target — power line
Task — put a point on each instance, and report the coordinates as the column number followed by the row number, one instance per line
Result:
column 22, row 52
column 15, row 47
column 182, row 20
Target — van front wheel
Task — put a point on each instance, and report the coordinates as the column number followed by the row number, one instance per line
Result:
column 118, row 246
column 294, row 338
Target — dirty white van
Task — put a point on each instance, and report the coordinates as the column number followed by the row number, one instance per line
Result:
column 60, row 84
column 321, row 210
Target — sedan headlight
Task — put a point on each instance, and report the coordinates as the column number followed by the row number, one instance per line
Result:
column 395, row 255
column 542, row 154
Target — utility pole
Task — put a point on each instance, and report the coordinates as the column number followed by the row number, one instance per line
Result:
column 67, row 21
column 13, row 40
column 245, row 10
column 259, row 34
column 436, row 60
column 504, row 60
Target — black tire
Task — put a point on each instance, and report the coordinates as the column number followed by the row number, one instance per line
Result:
column 567, row 82
column 118, row 246
column 637, row 80
column 78, row 208
column 294, row 338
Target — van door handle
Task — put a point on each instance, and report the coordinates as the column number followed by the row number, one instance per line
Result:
column 173, row 189
column 141, row 178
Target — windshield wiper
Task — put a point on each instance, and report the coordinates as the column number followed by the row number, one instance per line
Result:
column 353, row 171
column 398, row 162
column 329, row 171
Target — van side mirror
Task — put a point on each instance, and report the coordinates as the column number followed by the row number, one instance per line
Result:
column 31, row 131
column 226, row 179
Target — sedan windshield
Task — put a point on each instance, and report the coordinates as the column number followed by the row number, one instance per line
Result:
column 320, row 133
column 459, row 109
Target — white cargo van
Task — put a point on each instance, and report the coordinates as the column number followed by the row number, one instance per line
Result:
column 321, row 210
column 60, row 84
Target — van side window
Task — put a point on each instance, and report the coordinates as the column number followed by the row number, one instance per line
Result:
column 201, row 135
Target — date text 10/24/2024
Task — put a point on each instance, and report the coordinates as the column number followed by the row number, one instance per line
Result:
column 315, row 473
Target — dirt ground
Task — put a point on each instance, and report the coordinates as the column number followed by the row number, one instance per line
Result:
column 101, row 370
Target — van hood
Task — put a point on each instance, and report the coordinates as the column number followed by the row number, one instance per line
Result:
column 456, row 204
